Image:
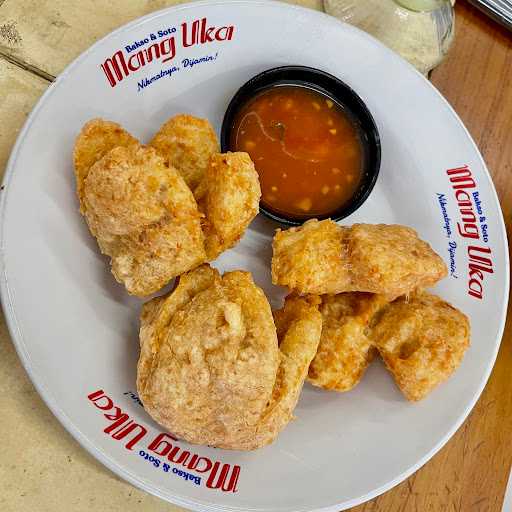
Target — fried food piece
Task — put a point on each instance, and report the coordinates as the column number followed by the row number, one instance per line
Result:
column 422, row 341
column 187, row 143
column 210, row 369
column 308, row 259
column 299, row 326
column 231, row 200
column 322, row 257
column 214, row 358
column 96, row 138
column 345, row 351
column 392, row 259
column 144, row 217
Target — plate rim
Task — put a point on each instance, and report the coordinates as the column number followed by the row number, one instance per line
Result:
column 38, row 380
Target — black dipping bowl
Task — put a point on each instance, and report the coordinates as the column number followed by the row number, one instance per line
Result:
column 337, row 91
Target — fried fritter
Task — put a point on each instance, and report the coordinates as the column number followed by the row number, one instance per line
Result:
column 299, row 326
column 144, row 217
column 230, row 202
column 187, row 143
column 96, row 138
column 213, row 357
column 309, row 259
column 422, row 341
column 391, row 259
column 210, row 369
column 322, row 257
column 345, row 351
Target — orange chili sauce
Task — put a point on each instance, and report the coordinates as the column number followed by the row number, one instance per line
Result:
column 306, row 149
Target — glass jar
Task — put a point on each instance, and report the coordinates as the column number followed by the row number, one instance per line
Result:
column 421, row 31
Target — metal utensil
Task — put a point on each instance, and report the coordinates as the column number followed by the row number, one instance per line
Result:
column 499, row 10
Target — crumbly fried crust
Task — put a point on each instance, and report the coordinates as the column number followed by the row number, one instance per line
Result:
column 422, row 341
column 187, row 143
column 141, row 209
column 231, row 200
column 210, row 369
column 345, row 351
column 391, row 259
column 322, row 257
column 96, row 138
column 144, row 217
column 310, row 259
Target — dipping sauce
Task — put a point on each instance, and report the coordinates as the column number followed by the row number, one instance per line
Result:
column 305, row 147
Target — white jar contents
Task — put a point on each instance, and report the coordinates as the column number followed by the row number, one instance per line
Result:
column 421, row 31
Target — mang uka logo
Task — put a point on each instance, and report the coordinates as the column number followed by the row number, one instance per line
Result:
column 218, row 475
column 119, row 66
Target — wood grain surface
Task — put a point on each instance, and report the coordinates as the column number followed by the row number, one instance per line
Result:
column 43, row 469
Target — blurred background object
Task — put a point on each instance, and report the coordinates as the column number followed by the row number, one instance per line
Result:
column 499, row 10
column 421, row 31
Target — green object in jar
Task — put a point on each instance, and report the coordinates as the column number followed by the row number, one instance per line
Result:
column 421, row 5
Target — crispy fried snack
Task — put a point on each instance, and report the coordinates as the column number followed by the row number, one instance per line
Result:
column 230, row 200
column 210, row 369
column 144, row 217
column 345, row 351
column 422, row 341
column 299, row 326
column 308, row 259
column 322, row 257
column 96, row 138
column 187, row 143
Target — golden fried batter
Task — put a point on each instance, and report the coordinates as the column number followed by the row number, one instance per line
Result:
column 96, row 138
column 391, row 259
column 422, row 341
column 345, row 351
column 231, row 201
column 141, row 210
column 299, row 326
column 322, row 257
column 187, row 143
column 210, row 369
column 144, row 217
column 308, row 259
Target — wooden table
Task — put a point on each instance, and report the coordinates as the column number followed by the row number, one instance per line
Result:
column 43, row 469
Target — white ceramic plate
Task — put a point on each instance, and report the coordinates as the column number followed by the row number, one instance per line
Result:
column 76, row 329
